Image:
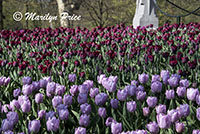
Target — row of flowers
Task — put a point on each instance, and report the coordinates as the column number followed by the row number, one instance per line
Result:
column 102, row 50
column 168, row 104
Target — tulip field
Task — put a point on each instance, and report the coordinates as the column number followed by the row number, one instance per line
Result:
column 111, row 80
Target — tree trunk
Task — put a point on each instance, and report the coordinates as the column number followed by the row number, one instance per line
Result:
column 1, row 14
column 61, row 8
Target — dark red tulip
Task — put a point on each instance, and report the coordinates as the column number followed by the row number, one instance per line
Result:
column 184, row 59
column 173, row 63
column 109, row 69
column 44, row 70
column 179, row 55
column 192, row 64
column 20, row 73
column 165, row 55
column 82, row 74
column 76, row 63
column 64, row 64
column 84, row 61
column 150, row 58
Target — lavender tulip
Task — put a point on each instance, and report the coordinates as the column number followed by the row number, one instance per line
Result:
column 197, row 131
column 50, row 88
column 16, row 92
column 156, row 87
column 52, row 124
column 26, row 80
column 146, row 111
column 163, row 121
column 26, row 107
column 109, row 121
column 155, row 78
column 184, row 83
column 7, row 125
column 63, row 114
column 131, row 106
column 14, row 104
column 183, row 110
column 41, row 114
column 13, row 116
column 67, row 100
column 179, row 127
column 192, row 93
column 141, row 95
column 94, row 92
column 50, row 114
column 174, row 115
column 134, row 82
column 80, row 130
column 27, row 89
column 34, row 126
column 82, row 98
column 153, row 127
column 60, row 89
column 181, row 91
column 102, row 112
column 84, row 120
column 85, row 108
column 39, row 98
column 152, row 101
column 74, row 90
column 100, row 78
column 122, row 95
column 173, row 81
column 72, row 77
column 143, row 78
column 116, row 128
column 114, row 103
column 101, row 99
column 198, row 113
column 131, row 89
column 56, row 101
column 161, row 109
column 165, row 76
column 170, row 94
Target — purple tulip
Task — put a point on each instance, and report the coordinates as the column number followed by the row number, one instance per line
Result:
column 22, row 98
column 181, row 91
column 82, row 98
column 16, row 92
column 85, row 108
column 198, row 100
column 56, row 101
column 67, row 100
column 74, row 90
column 80, row 130
column 72, row 77
column 139, row 132
column 198, row 113
column 156, row 87
column 14, row 104
column 131, row 89
column 131, row 106
column 8, row 132
column 143, row 78
column 83, row 89
column 50, row 88
column 7, row 80
column 152, row 101
column 50, row 114
column 173, row 81
column 174, row 115
column 165, row 76
column 140, row 88
column 39, row 98
column 116, row 128
column 13, row 117
column 101, row 99
column 63, row 114
column 36, row 85
column 170, row 94
column 109, row 121
column 184, row 83
column 26, row 80
column 146, row 111
column 27, row 89
column 163, row 121
column 41, row 114
column 89, row 84
column 192, row 93
column 134, row 82
column 7, row 125
column 52, row 124
column 100, row 78
column 110, row 83
column 153, row 127
column 183, row 110
column 122, row 94
column 197, row 131
column 114, row 103
column 179, row 127
column 141, row 95
column 84, row 120
column 60, row 89
column 161, row 109
column 34, row 126
column 102, row 112
column 155, row 78
column 94, row 92
column 26, row 106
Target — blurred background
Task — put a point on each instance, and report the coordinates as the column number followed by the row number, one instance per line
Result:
column 94, row 12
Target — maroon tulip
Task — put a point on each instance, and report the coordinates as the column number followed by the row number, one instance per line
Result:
column 173, row 63
column 82, row 74
column 76, row 63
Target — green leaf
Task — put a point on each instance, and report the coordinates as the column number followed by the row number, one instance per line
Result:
column 76, row 114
